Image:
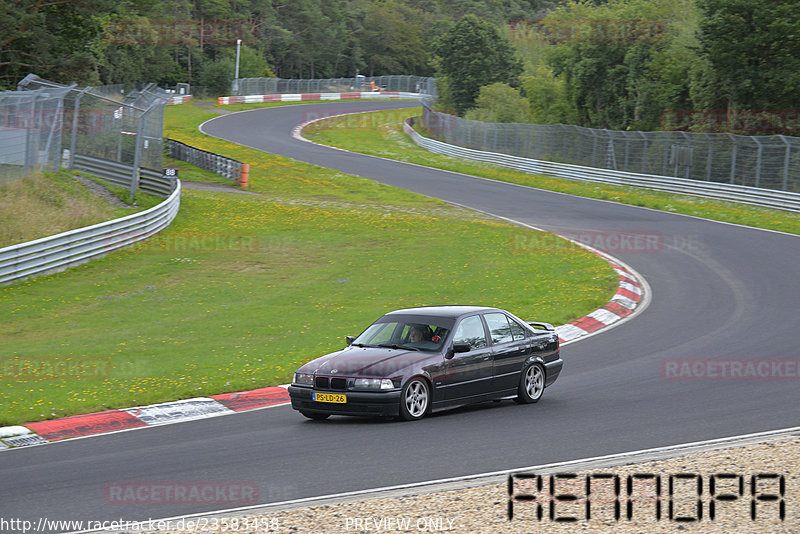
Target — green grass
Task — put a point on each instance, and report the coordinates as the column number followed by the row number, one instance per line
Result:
column 45, row 204
column 241, row 289
column 381, row 134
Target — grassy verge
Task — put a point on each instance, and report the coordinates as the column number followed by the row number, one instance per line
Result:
column 241, row 289
column 381, row 134
column 44, row 204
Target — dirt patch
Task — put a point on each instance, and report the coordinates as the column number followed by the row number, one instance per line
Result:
column 101, row 191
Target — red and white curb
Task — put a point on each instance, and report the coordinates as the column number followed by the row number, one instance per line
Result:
column 302, row 97
column 628, row 296
column 78, row 426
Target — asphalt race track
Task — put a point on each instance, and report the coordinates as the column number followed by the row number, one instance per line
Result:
column 718, row 291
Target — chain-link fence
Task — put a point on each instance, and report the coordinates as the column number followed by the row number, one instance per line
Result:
column 31, row 124
column 269, row 86
column 44, row 120
column 768, row 161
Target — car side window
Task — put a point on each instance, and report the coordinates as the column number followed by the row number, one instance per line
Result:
column 517, row 331
column 499, row 328
column 470, row 330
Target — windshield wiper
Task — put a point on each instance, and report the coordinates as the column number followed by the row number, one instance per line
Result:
column 396, row 346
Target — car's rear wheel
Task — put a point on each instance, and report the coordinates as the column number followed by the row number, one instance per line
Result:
column 316, row 416
column 531, row 384
column 414, row 399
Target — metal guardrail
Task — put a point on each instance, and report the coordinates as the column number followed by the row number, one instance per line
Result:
column 56, row 253
column 149, row 180
column 224, row 166
column 719, row 191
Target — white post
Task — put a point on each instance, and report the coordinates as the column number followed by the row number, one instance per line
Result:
column 236, row 74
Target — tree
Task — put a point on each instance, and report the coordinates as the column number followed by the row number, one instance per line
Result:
column 499, row 102
column 625, row 62
column 547, row 97
column 473, row 54
column 393, row 39
column 217, row 75
column 57, row 39
column 753, row 48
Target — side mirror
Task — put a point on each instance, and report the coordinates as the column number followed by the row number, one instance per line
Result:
column 457, row 348
column 349, row 340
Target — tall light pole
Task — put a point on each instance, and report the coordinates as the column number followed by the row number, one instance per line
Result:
column 236, row 75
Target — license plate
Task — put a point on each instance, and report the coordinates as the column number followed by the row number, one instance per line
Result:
column 338, row 398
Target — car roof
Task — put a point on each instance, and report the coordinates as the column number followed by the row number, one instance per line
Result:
column 442, row 311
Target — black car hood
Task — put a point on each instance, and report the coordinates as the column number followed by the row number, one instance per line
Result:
column 366, row 362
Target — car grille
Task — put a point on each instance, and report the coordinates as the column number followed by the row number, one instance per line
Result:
column 323, row 382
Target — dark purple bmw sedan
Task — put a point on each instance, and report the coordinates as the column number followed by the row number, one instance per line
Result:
column 416, row 361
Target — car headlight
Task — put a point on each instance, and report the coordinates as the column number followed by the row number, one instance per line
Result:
column 304, row 379
column 373, row 383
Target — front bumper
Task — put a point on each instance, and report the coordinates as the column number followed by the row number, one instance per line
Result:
column 370, row 403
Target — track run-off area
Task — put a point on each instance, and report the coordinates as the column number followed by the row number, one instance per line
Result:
column 720, row 294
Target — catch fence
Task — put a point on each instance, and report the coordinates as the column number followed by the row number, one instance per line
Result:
column 766, row 161
column 44, row 125
column 268, row 86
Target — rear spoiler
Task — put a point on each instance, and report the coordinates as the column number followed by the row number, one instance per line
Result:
column 542, row 326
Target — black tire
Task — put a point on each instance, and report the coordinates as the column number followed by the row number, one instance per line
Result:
column 531, row 384
column 415, row 400
column 316, row 416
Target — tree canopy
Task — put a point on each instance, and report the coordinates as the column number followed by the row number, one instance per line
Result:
column 470, row 55
column 620, row 64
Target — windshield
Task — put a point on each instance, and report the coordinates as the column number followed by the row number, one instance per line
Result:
column 405, row 335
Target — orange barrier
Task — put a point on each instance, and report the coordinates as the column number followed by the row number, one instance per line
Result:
column 243, row 179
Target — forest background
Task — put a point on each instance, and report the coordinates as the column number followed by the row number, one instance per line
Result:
column 617, row 64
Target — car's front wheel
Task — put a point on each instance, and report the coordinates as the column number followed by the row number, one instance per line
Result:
column 531, row 384
column 414, row 399
column 316, row 416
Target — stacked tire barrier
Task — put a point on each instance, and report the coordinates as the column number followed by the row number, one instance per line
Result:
column 226, row 167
